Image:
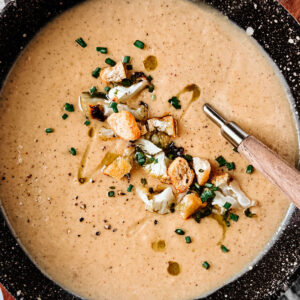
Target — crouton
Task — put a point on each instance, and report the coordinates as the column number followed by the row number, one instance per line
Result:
column 118, row 168
column 113, row 74
column 124, row 125
column 189, row 204
column 221, row 180
column 202, row 169
column 166, row 124
column 181, row 174
column 143, row 129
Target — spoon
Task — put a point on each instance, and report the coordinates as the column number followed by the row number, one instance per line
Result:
column 278, row 171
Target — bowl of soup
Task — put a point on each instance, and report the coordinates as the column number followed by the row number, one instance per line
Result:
column 114, row 182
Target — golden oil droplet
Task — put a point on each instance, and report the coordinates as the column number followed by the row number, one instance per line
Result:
column 150, row 63
column 173, row 268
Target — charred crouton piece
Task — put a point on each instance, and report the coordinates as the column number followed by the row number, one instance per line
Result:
column 97, row 112
column 221, row 180
column 113, row 74
column 202, row 169
column 124, row 125
column 166, row 124
column 189, row 204
column 181, row 174
column 118, row 168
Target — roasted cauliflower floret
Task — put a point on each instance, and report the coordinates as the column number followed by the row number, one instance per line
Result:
column 189, row 204
column 181, row 175
column 202, row 169
column 124, row 125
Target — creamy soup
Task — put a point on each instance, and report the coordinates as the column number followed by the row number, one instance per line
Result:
column 107, row 246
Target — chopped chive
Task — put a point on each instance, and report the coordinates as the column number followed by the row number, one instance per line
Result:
column 197, row 185
column 215, row 188
column 107, row 89
column 64, row 116
column 188, row 239
column 110, row 62
column 175, row 102
column 93, row 90
column 126, row 59
column 230, row 166
column 103, row 50
column 49, row 130
column 248, row 213
column 111, row 194
column 249, row 169
column 149, row 78
column 227, row 205
column 129, row 67
column 151, row 88
column 224, row 249
column 201, row 170
column 130, row 187
column 209, row 185
column 139, row 44
column 114, row 106
column 235, row 149
column 153, row 97
column 69, row 107
column 73, row 151
column 206, row 265
column 140, row 158
column 179, row 231
column 207, row 194
column 188, row 157
column 126, row 82
column 143, row 181
column 87, row 122
column 96, row 72
column 221, row 160
column 81, row 42
column 156, row 160
column 234, row 217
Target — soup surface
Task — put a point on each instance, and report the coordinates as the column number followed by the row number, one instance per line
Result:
column 102, row 247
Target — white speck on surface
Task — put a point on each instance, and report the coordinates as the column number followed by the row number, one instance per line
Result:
column 19, row 293
column 291, row 41
column 250, row 267
column 249, row 31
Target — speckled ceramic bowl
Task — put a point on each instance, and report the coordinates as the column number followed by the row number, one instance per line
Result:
column 278, row 33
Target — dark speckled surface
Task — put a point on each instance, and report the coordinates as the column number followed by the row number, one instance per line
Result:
column 279, row 35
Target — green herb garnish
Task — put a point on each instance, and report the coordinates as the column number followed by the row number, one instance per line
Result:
column 249, row 169
column 69, row 107
column 110, row 62
column 151, row 88
column 188, row 239
column 73, row 151
column 201, row 170
column 87, row 122
column 126, row 82
column 188, row 157
column 93, row 90
column 179, row 231
column 143, row 181
column 81, row 42
column 130, row 187
column 64, row 116
column 111, row 194
column 227, row 205
column 235, row 149
column 206, row 265
column 221, row 161
column 114, row 106
column 139, row 44
column 209, row 185
column 96, row 72
column 126, row 59
column 230, row 166
column 107, row 89
column 234, row 217
column 224, row 249
column 49, row 130
column 140, row 158
column 175, row 102
column 102, row 50
column 207, row 194
column 248, row 213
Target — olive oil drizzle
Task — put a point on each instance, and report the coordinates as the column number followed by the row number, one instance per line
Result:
column 222, row 224
column 196, row 92
column 150, row 63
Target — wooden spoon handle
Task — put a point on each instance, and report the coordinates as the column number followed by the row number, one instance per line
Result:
column 274, row 168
